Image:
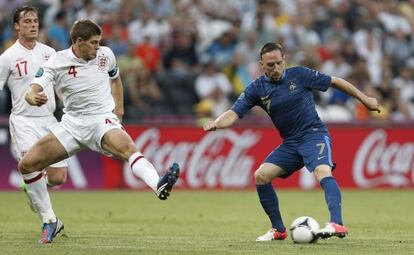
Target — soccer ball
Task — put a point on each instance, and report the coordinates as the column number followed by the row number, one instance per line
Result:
column 303, row 230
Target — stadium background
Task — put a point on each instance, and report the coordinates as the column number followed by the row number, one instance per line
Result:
column 185, row 61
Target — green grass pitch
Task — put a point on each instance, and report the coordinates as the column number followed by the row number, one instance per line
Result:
column 204, row 222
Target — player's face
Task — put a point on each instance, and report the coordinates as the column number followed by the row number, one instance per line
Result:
column 273, row 64
column 89, row 48
column 28, row 26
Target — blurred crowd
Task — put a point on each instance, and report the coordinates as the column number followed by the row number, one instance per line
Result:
column 194, row 57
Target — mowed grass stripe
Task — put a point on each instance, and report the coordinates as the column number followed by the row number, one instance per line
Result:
column 205, row 222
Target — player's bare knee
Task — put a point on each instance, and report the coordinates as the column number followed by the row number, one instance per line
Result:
column 322, row 172
column 261, row 178
column 128, row 151
column 57, row 176
column 25, row 167
column 55, row 180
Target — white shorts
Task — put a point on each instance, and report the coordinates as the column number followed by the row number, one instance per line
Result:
column 84, row 131
column 26, row 131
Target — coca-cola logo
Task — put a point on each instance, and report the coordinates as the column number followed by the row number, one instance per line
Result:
column 218, row 159
column 380, row 164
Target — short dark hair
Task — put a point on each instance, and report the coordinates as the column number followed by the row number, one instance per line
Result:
column 84, row 29
column 23, row 9
column 271, row 46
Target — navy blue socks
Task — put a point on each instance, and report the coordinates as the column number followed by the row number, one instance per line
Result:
column 270, row 204
column 333, row 198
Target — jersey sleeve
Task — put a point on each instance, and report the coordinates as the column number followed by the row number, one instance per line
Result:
column 4, row 70
column 246, row 101
column 45, row 75
column 113, row 70
column 316, row 80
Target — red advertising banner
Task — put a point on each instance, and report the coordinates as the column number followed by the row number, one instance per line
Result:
column 365, row 157
column 375, row 157
column 227, row 159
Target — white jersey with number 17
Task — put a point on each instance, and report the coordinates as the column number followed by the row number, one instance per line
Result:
column 18, row 66
column 83, row 85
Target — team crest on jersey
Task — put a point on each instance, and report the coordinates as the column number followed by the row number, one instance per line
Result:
column 292, row 87
column 39, row 72
column 102, row 62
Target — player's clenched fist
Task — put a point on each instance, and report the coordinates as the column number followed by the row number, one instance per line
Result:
column 210, row 126
column 41, row 98
column 37, row 99
column 372, row 104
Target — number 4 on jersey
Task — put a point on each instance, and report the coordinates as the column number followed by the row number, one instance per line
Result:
column 72, row 71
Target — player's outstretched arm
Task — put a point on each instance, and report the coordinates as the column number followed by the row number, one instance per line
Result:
column 223, row 121
column 370, row 102
column 35, row 95
column 117, row 94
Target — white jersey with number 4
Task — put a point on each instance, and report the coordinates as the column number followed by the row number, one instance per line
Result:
column 18, row 66
column 83, row 85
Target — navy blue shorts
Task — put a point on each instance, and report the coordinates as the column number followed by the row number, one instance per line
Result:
column 311, row 150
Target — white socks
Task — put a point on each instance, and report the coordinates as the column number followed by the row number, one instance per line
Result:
column 144, row 170
column 39, row 196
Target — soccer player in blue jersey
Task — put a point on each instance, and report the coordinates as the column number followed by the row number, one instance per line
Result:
column 286, row 95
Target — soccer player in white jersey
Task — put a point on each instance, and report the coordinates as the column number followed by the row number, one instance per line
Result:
column 88, row 79
column 18, row 65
